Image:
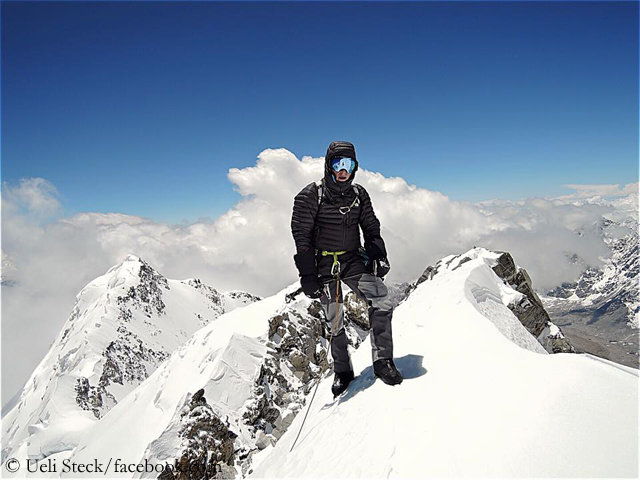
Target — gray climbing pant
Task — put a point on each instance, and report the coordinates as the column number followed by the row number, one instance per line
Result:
column 373, row 290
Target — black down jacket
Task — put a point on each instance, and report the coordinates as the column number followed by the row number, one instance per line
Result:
column 324, row 227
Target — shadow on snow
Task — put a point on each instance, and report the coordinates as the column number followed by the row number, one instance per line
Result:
column 410, row 366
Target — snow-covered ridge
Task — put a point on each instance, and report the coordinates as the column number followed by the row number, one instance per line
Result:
column 123, row 325
column 479, row 398
column 516, row 292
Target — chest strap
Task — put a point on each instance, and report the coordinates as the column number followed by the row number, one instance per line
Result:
column 343, row 210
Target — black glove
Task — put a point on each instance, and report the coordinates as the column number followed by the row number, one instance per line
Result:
column 380, row 267
column 311, row 286
column 375, row 248
column 306, row 263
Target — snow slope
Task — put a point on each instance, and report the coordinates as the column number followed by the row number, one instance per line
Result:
column 250, row 364
column 479, row 399
column 123, row 325
column 224, row 358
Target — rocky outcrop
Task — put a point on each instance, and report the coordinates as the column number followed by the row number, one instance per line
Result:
column 209, row 292
column 126, row 361
column 242, row 296
column 207, row 441
column 554, row 341
column 147, row 295
column 93, row 398
column 529, row 309
column 297, row 356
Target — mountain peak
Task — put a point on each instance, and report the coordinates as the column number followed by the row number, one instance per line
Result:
column 129, row 273
column 130, row 264
column 124, row 324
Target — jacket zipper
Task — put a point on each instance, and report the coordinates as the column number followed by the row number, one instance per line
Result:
column 344, row 228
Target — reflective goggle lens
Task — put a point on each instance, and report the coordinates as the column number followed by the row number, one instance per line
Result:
column 347, row 164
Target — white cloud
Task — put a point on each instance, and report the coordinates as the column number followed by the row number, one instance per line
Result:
column 587, row 191
column 540, row 234
column 250, row 246
column 33, row 196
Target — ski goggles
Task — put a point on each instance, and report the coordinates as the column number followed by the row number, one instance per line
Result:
column 346, row 163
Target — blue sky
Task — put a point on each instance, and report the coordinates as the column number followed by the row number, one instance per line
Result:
column 142, row 108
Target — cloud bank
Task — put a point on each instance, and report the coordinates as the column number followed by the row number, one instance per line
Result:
column 47, row 260
column 587, row 191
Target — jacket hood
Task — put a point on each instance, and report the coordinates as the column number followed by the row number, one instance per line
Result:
column 339, row 149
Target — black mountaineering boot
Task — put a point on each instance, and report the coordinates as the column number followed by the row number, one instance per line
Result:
column 386, row 371
column 340, row 382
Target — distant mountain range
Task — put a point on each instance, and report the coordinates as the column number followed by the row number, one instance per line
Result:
column 600, row 312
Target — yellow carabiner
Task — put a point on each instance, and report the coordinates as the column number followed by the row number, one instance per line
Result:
column 335, row 267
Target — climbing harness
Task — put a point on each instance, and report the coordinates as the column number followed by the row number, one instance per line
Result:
column 335, row 267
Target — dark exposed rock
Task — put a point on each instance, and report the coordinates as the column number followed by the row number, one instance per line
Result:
column 460, row 263
column 315, row 310
column 554, row 341
column 299, row 361
column 208, row 444
column 244, row 296
column 296, row 357
column 529, row 309
column 561, row 345
column 147, row 295
column 125, row 314
column 215, row 302
column 428, row 274
column 126, row 357
column 126, row 360
column 271, row 414
column 90, row 398
column 276, row 324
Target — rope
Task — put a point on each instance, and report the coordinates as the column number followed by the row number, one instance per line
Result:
column 324, row 363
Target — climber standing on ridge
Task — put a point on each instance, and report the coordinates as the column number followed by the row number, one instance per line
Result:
column 326, row 222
